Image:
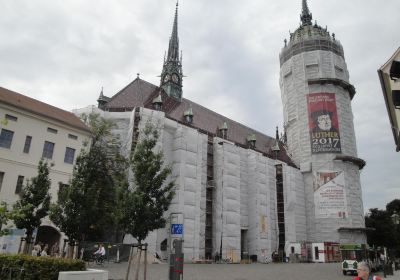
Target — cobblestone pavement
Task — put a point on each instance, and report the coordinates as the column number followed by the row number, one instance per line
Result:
column 302, row 271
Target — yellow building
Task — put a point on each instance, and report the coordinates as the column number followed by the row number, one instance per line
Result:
column 31, row 130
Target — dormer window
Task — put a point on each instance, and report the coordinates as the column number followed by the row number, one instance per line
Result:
column 224, row 131
column 157, row 103
column 188, row 114
column 251, row 141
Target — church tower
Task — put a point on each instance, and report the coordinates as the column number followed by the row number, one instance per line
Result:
column 171, row 75
column 318, row 119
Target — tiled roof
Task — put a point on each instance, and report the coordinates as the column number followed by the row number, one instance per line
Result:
column 134, row 94
column 37, row 107
column 140, row 93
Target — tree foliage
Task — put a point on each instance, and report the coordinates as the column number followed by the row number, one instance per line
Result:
column 86, row 209
column 4, row 217
column 151, row 195
column 386, row 233
column 34, row 201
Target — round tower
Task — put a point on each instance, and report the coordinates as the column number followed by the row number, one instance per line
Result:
column 316, row 97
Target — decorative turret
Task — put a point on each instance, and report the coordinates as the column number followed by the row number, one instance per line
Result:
column 224, row 131
column 188, row 114
column 157, row 103
column 306, row 16
column 102, row 100
column 309, row 37
column 171, row 75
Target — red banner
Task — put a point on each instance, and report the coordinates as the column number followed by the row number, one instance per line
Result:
column 323, row 123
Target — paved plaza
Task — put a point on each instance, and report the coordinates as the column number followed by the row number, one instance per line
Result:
column 302, row 271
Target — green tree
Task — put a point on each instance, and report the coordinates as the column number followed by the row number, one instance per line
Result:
column 151, row 195
column 34, row 201
column 4, row 217
column 86, row 209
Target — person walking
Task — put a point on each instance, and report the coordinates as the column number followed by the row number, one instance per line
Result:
column 364, row 272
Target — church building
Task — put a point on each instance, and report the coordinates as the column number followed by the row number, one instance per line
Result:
column 243, row 194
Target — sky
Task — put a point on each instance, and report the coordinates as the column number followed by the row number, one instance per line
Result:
column 63, row 52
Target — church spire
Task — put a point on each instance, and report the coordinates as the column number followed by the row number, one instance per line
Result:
column 173, row 49
column 171, row 75
column 306, row 16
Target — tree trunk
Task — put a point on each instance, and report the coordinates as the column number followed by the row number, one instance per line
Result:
column 129, row 264
column 138, row 263
column 28, row 244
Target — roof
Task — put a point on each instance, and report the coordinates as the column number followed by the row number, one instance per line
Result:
column 40, row 108
column 134, row 94
column 140, row 93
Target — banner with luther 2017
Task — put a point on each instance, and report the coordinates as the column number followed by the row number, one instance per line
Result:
column 323, row 123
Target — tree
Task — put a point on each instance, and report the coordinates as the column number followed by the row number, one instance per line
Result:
column 4, row 217
column 86, row 208
column 386, row 233
column 150, row 196
column 393, row 206
column 382, row 235
column 34, row 201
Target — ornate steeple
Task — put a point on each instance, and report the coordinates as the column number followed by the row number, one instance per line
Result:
column 171, row 75
column 306, row 16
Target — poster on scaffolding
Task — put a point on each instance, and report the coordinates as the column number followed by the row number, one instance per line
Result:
column 323, row 123
column 330, row 195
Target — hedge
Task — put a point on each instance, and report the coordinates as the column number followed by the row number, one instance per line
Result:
column 36, row 268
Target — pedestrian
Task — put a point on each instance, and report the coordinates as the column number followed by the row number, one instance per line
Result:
column 364, row 272
column 55, row 250
column 44, row 251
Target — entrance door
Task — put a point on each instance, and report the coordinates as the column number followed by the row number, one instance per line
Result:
column 47, row 235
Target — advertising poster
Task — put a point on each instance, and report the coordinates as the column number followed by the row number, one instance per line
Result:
column 330, row 195
column 323, row 123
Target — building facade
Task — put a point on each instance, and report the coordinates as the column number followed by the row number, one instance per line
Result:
column 31, row 130
column 316, row 96
column 240, row 193
column 389, row 76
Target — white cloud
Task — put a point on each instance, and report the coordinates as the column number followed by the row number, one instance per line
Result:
column 62, row 52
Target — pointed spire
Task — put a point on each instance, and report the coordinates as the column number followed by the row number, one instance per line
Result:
column 277, row 134
column 173, row 50
column 306, row 16
column 171, row 75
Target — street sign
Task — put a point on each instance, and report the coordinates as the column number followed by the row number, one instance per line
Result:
column 176, row 229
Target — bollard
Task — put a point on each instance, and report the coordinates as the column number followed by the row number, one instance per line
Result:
column 176, row 261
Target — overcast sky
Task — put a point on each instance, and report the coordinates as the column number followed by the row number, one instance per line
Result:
column 63, row 52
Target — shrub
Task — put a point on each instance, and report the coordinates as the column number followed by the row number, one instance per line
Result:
column 36, row 268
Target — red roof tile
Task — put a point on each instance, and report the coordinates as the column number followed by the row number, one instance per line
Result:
column 40, row 108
